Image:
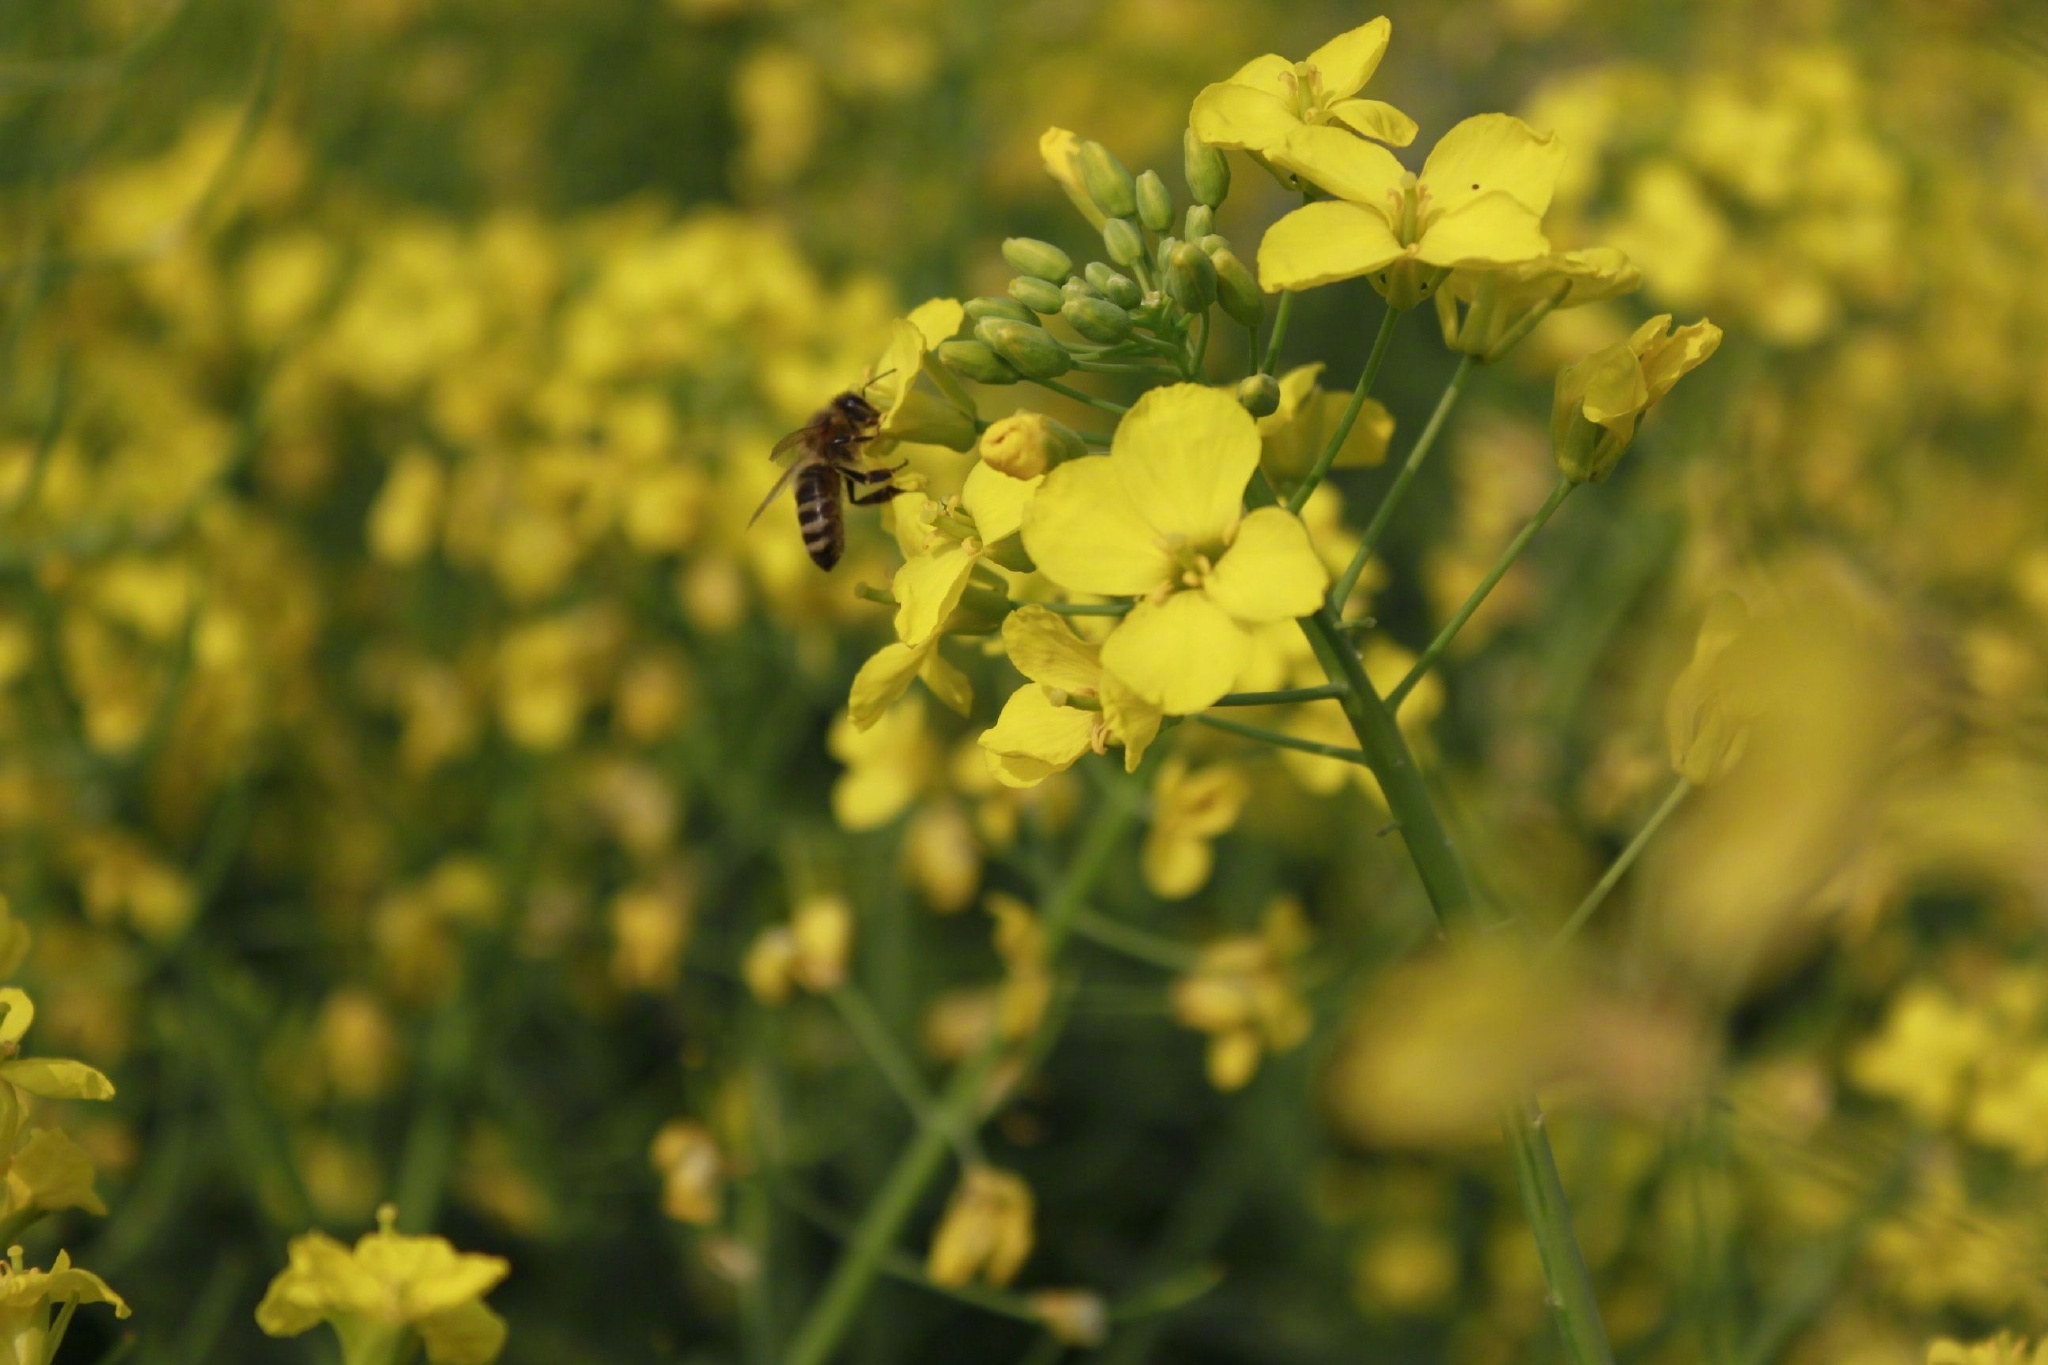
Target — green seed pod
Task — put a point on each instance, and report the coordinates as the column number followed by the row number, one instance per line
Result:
column 1259, row 395
column 1030, row 350
column 1236, row 290
column 1201, row 221
column 1078, row 288
column 1097, row 319
column 1155, row 202
column 1120, row 290
column 974, row 360
column 989, row 306
column 1107, row 182
column 1123, row 240
column 1039, row 260
column 1190, row 278
column 1036, row 294
column 1207, row 172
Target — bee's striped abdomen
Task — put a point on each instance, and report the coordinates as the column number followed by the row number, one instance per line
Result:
column 819, row 514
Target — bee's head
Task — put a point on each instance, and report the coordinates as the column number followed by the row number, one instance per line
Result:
column 856, row 409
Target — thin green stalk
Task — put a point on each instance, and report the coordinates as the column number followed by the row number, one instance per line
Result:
column 1366, row 379
column 896, row 1067
column 1281, row 314
column 1082, row 608
column 1398, row 490
column 829, row 1318
column 1612, row 877
column 1283, row 697
column 1479, row 594
column 1284, row 741
column 1068, row 390
column 1133, row 942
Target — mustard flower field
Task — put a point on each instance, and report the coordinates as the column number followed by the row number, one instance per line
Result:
column 769, row 682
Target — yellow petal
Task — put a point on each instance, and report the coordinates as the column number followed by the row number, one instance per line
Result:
column 1046, row 650
column 996, row 501
column 1271, row 572
column 1494, row 228
column 1085, row 534
column 1231, row 115
column 1669, row 359
column 1060, row 150
column 469, row 1334
column 1376, row 119
column 1133, row 720
column 1615, row 387
column 20, row 1013
column 928, row 588
column 1269, row 73
column 937, row 320
column 1180, row 655
column 1184, row 453
column 1348, row 60
column 1493, row 152
column 56, row 1079
column 947, row 683
column 1322, row 243
column 1033, row 739
column 883, row 679
column 1348, row 167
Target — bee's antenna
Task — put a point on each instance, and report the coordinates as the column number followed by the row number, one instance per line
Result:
column 875, row 379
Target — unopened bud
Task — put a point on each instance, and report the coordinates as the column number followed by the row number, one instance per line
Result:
column 1236, row 289
column 1027, row 444
column 1155, row 202
column 1163, row 257
column 1201, row 221
column 1213, row 243
column 1190, row 278
column 1030, row 350
column 1040, row 260
column 1097, row 319
column 1124, row 242
column 1108, row 183
column 1207, row 172
column 1036, row 294
column 1078, row 288
column 822, row 930
column 974, row 360
column 1120, row 290
column 1259, row 395
column 990, row 306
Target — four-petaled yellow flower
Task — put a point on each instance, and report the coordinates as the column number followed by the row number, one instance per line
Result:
column 1600, row 399
column 1161, row 517
column 1479, row 201
column 1040, row 731
column 1269, row 97
column 27, row 1298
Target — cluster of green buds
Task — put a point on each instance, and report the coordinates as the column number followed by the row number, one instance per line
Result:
column 1145, row 309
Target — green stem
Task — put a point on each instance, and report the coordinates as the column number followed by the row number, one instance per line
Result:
column 1366, row 380
column 919, row 1163
column 1479, row 594
column 896, row 1067
column 1572, row 1304
column 1281, row 315
column 1612, row 877
column 1133, row 942
column 1282, row 741
column 1068, row 390
column 1285, row 696
column 1082, row 608
column 1341, row 593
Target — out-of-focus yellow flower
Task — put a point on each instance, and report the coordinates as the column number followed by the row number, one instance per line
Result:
column 1293, row 435
column 887, row 766
column 778, row 100
column 1039, row 733
column 692, row 1171
column 1410, row 1269
column 1075, row 1317
column 1924, row 1054
column 810, row 951
column 2003, row 1349
column 1190, row 808
column 1706, row 718
column 359, row 1048
column 985, row 1232
column 943, row 855
column 388, row 1285
column 1270, row 97
column 650, row 929
column 1600, row 399
column 1161, row 517
column 51, row 1172
column 1479, row 202
column 1243, row 995
column 405, row 520
column 1027, row 985
column 29, row 1297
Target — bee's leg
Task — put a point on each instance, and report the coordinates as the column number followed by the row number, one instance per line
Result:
column 871, row 476
column 874, row 495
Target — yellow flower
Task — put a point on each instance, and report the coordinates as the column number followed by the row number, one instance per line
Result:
column 1027, row 986
column 810, row 951
column 51, row 1172
column 887, row 766
column 1291, row 436
column 1269, row 97
column 1708, row 714
column 53, row 1079
column 1161, row 517
column 389, row 1284
column 692, row 1171
column 1039, row 732
column 2003, row 1349
column 1502, row 303
column 1479, row 201
column 28, row 1296
column 1189, row 809
column 1060, row 150
column 985, row 1230
column 1241, row 993
column 1600, row 399
column 919, row 399
column 1925, row 1054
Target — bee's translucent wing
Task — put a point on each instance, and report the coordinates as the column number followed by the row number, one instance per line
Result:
column 796, row 440
column 776, row 491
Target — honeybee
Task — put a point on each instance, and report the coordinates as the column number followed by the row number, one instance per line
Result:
column 827, row 458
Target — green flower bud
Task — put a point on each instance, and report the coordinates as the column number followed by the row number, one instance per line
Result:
column 1030, row 350
column 1107, row 182
column 974, row 360
column 1236, row 290
column 1155, row 202
column 1097, row 319
column 1213, row 243
column 1039, row 260
column 1259, row 395
column 1036, row 294
column 1124, row 242
column 1207, row 172
column 1201, row 221
column 1190, row 278
column 1078, row 288
column 1164, row 254
column 990, row 307
column 1027, row 444
column 1120, row 290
